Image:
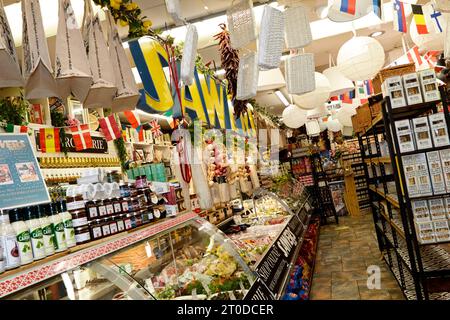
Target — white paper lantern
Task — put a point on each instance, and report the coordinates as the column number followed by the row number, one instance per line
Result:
column 334, row 125
column 339, row 83
column 317, row 97
column 312, row 128
column 362, row 8
column 294, row 117
column 317, row 112
column 430, row 41
column 344, row 116
column 360, row 58
column 322, row 125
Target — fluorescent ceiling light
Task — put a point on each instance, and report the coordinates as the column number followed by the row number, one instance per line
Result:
column 282, row 98
column 376, row 34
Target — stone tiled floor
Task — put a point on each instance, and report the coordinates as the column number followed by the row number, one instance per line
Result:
column 343, row 255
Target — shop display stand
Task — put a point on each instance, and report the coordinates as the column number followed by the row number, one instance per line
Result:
column 417, row 267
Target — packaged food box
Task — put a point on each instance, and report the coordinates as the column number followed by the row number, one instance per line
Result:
column 441, row 230
column 420, row 210
column 410, row 175
column 429, row 85
column 423, row 174
column 425, row 232
column 412, row 87
column 447, row 206
column 445, row 161
column 436, row 174
column 422, row 133
column 439, row 130
column 393, row 88
column 437, row 209
column 405, row 135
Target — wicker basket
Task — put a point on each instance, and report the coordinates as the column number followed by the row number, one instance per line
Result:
column 390, row 72
column 247, row 81
column 375, row 109
column 241, row 24
column 271, row 38
column 300, row 76
column 174, row 9
column 297, row 28
column 364, row 115
column 356, row 124
column 189, row 55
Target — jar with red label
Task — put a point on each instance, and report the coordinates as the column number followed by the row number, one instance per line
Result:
column 138, row 218
column 105, row 227
column 79, row 218
column 74, row 203
column 125, row 204
column 120, row 222
column 95, row 227
column 82, row 234
column 117, row 206
column 91, row 210
column 127, row 222
column 113, row 226
column 101, row 208
column 109, row 207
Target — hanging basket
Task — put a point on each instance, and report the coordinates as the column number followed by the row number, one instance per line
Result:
column 297, row 28
column 300, row 76
column 247, row 81
column 189, row 55
column 174, row 9
column 271, row 38
column 241, row 24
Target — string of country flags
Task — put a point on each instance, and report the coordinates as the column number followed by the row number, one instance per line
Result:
column 49, row 138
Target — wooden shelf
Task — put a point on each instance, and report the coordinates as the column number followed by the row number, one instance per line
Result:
column 384, row 160
column 393, row 223
column 38, row 271
column 389, row 197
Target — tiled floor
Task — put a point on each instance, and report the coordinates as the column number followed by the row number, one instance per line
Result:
column 344, row 253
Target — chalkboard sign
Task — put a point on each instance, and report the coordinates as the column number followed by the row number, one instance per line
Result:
column 259, row 291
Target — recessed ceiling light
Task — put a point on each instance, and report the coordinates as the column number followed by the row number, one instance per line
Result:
column 376, row 34
column 206, row 7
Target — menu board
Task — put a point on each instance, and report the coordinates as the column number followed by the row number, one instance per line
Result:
column 21, row 182
column 275, row 263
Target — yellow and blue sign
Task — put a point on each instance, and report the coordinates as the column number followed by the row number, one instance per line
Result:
column 205, row 100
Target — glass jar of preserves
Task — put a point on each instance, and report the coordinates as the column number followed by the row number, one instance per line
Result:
column 101, row 208
column 79, row 218
column 82, row 234
column 95, row 227
column 105, row 227
column 120, row 222
column 113, row 226
column 125, row 204
column 75, row 203
column 117, row 206
column 92, row 210
column 109, row 207
column 127, row 221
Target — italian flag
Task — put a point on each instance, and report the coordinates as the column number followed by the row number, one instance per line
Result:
column 16, row 129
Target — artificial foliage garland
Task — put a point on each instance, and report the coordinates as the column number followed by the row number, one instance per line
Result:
column 58, row 120
column 121, row 151
column 13, row 110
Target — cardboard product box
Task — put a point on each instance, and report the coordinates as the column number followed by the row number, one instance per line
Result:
column 429, row 85
column 410, row 175
column 393, row 88
column 405, row 135
column 422, row 133
column 423, row 175
column 436, row 174
column 425, row 232
column 441, row 230
column 445, row 161
column 411, row 83
column 447, row 206
column 437, row 209
column 439, row 130
column 420, row 210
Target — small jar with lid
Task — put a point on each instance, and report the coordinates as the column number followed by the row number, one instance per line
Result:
column 82, row 234
column 113, row 225
column 120, row 222
column 105, row 227
column 141, row 201
column 101, row 208
column 138, row 218
column 134, row 204
column 132, row 218
column 95, row 227
column 108, row 203
column 91, row 210
column 125, row 203
column 75, row 203
column 117, row 206
column 141, row 182
column 79, row 218
column 127, row 221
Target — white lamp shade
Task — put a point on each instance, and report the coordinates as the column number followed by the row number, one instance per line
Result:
column 334, row 125
column 442, row 5
column 294, row 117
column 363, row 7
column 317, row 112
column 430, row 41
column 360, row 58
column 339, row 83
column 322, row 125
column 344, row 116
column 312, row 128
column 270, row 80
column 317, row 97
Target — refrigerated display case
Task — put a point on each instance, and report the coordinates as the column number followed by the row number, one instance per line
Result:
column 186, row 259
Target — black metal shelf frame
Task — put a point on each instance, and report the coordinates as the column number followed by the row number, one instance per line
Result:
column 403, row 252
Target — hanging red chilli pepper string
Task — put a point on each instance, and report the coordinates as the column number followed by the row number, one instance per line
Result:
column 185, row 168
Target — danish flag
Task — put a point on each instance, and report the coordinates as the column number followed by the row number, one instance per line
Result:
column 82, row 137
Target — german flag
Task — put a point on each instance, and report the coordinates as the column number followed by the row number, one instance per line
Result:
column 419, row 19
column 49, row 140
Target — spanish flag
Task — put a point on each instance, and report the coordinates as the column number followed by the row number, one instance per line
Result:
column 419, row 19
column 49, row 140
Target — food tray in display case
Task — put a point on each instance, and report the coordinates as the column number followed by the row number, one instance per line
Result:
column 190, row 260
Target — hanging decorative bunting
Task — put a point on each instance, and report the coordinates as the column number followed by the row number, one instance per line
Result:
column 16, row 129
column 73, row 75
column 399, row 17
column 127, row 94
column 37, row 69
column 435, row 20
column 133, row 118
column 11, row 76
column 103, row 89
column 155, row 128
column 110, row 128
column 419, row 19
column 49, row 140
column 349, row 10
column 82, row 137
